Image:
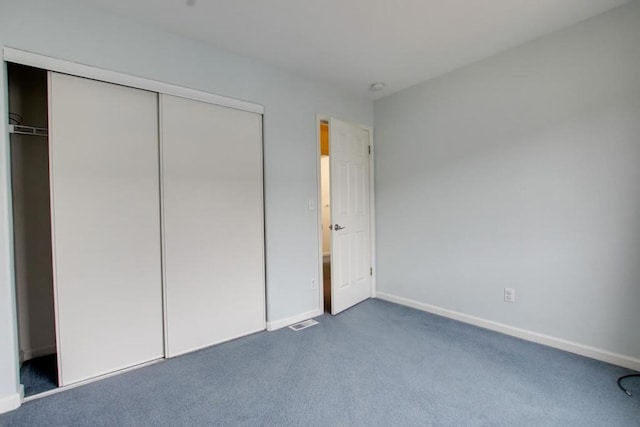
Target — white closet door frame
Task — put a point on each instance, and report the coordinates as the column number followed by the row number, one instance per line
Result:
column 80, row 70
column 48, row 63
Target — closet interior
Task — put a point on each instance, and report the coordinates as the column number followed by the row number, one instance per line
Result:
column 29, row 148
column 138, row 225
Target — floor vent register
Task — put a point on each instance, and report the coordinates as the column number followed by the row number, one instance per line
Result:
column 303, row 325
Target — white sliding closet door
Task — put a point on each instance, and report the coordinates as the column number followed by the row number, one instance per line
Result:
column 213, row 223
column 106, row 226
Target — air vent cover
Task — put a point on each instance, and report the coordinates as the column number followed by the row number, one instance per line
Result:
column 303, row 325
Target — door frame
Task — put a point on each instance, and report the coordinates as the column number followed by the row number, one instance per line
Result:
column 372, row 204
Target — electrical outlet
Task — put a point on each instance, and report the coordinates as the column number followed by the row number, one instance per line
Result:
column 509, row 295
column 313, row 284
column 312, row 205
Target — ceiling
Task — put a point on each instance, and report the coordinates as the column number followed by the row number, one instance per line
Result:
column 353, row 43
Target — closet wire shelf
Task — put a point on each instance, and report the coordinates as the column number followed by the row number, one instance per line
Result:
column 28, row 130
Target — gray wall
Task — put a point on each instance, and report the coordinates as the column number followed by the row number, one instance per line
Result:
column 522, row 170
column 74, row 31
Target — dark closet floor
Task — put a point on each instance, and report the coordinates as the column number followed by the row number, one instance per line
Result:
column 326, row 273
column 39, row 375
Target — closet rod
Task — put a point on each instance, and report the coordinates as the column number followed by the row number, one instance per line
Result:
column 28, row 130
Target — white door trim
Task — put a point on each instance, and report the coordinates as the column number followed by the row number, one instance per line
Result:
column 67, row 67
column 372, row 210
column 10, row 397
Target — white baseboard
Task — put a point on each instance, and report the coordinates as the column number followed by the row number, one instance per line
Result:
column 9, row 403
column 559, row 343
column 278, row 324
column 37, row 352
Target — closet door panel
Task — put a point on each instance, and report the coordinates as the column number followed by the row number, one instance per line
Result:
column 106, row 226
column 213, row 223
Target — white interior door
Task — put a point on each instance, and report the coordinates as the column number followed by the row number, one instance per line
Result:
column 213, row 223
column 106, row 222
column 350, row 243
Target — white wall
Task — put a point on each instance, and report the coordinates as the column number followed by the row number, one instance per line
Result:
column 74, row 31
column 522, row 170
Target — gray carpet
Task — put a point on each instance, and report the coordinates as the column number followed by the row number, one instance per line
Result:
column 377, row 364
column 39, row 375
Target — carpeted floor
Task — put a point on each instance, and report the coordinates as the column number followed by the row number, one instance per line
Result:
column 39, row 375
column 377, row 364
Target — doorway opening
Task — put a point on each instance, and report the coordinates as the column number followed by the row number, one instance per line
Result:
column 345, row 185
column 33, row 265
column 325, row 203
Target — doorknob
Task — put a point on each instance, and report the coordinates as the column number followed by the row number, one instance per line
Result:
column 337, row 227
